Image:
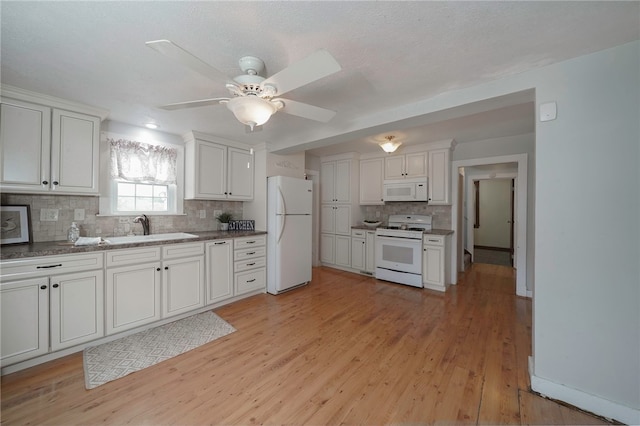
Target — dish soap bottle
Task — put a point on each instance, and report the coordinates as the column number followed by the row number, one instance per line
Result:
column 74, row 233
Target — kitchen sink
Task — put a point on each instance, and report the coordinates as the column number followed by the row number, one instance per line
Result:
column 130, row 239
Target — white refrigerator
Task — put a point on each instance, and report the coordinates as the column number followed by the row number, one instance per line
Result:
column 289, row 206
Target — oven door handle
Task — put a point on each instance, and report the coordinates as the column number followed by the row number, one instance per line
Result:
column 417, row 241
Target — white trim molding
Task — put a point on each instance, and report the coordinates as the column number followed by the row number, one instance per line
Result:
column 577, row 398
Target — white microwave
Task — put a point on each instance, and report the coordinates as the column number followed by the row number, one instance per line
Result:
column 405, row 190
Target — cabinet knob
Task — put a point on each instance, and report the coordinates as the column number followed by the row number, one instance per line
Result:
column 44, row 182
column 55, row 182
column 166, row 268
column 225, row 193
column 157, row 269
column 43, row 287
column 230, row 193
column 55, row 286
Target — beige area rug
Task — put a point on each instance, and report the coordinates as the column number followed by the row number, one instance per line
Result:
column 116, row 359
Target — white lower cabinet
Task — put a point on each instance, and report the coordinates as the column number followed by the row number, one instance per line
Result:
column 24, row 312
column 46, row 311
column 335, row 250
column 219, row 274
column 77, row 308
column 250, row 264
column 435, row 262
column 132, row 296
column 182, row 285
column 358, row 249
column 370, row 259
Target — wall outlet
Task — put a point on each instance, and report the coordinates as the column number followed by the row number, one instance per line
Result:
column 48, row 215
column 203, row 214
column 123, row 220
column 78, row 214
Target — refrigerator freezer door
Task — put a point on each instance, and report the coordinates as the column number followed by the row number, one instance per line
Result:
column 294, row 196
column 292, row 255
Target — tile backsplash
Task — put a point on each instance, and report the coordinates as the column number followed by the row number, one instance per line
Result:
column 103, row 226
column 441, row 214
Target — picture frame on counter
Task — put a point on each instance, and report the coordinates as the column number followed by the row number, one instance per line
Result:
column 15, row 224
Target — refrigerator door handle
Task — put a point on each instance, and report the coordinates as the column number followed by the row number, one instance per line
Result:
column 284, row 204
column 284, row 221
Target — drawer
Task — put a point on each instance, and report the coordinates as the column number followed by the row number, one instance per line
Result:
column 49, row 265
column 246, row 242
column 433, row 240
column 245, row 265
column 173, row 251
column 359, row 233
column 249, row 253
column 255, row 279
column 132, row 256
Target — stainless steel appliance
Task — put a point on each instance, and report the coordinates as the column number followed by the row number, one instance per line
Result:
column 399, row 249
column 411, row 189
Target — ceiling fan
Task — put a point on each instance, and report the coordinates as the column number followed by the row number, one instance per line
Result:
column 255, row 99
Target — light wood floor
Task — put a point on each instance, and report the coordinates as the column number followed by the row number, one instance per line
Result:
column 344, row 349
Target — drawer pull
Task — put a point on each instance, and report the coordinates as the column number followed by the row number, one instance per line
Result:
column 252, row 252
column 219, row 243
column 251, row 264
column 433, row 241
column 49, row 266
column 250, row 242
column 252, row 280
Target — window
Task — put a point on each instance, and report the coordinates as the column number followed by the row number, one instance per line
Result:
column 142, row 178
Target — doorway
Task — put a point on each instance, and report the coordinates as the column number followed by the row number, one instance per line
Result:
column 493, row 221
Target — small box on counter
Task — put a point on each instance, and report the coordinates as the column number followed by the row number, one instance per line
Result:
column 242, row 225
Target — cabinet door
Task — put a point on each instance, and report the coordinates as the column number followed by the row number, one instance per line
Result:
column 327, row 182
column 370, row 263
column 416, row 165
column 394, row 167
column 219, row 264
column 433, row 265
column 358, row 253
column 25, row 144
column 74, row 152
column 343, row 219
column 77, row 308
column 343, row 251
column 240, row 184
column 343, row 181
column 328, row 218
column 327, row 248
column 371, row 179
column 210, row 171
column 182, row 285
column 439, row 176
column 24, row 314
column 133, row 296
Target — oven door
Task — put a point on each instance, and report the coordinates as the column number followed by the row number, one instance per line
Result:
column 399, row 254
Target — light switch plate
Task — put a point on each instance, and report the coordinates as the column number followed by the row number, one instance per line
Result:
column 548, row 111
column 48, row 215
column 203, row 214
column 78, row 214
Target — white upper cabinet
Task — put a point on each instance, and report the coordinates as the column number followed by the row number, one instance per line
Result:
column 371, row 179
column 335, row 181
column 48, row 150
column 215, row 171
column 439, row 176
column 405, row 166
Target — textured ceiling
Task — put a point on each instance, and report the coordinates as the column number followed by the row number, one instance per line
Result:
column 392, row 54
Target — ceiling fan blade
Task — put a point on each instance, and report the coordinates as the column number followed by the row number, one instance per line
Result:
column 173, row 51
column 314, row 67
column 306, row 111
column 193, row 104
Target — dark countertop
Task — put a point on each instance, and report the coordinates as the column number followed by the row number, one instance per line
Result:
column 50, row 248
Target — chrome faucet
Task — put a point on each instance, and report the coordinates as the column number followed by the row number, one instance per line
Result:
column 144, row 220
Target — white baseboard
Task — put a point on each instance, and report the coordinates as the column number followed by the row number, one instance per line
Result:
column 584, row 401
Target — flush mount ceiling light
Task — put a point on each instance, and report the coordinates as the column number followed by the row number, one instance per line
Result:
column 253, row 110
column 389, row 146
column 151, row 125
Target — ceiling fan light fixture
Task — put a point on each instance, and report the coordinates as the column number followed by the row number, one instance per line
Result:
column 251, row 110
column 389, row 146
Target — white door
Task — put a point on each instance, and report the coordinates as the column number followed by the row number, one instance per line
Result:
column 240, row 183
column 416, row 165
column 327, row 248
column 370, row 264
column 438, row 181
column 371, row 181
column 343, row 219
column 211, row 170
column 293, row 257
column 182, row 285
column 394, row 167
column 327, row 182
column 433, row 265
column 343, row 181
column 328, row 218
column 358, row 253
column 219, row 264
column 343, row 251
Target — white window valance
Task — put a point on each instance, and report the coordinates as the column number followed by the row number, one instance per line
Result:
column 141, row 162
